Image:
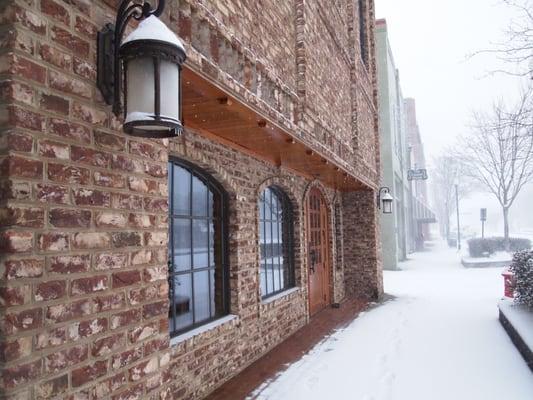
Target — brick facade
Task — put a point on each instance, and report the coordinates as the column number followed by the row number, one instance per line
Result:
column 84, row 207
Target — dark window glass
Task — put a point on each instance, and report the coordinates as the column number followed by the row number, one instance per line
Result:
column 181, row 235
column 197, row 261
column 180, row 198
column 362, row 32
column 275, row 240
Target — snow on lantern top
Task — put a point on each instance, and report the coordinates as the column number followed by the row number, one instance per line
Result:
column 152, row 28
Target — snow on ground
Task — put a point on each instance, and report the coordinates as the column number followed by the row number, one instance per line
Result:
column 438, row 339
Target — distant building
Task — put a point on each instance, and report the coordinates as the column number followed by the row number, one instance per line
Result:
column 394, row 152
column 407, row 229
column 421, row 215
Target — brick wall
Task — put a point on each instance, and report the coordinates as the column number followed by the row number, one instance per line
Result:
column 257, row 26
column 84, row 292
column 328, row 64
column 362, row 258
column 327, row 61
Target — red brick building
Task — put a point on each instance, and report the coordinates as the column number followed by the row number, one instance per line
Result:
column 158, row 269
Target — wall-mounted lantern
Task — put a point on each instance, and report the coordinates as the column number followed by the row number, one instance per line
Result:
column 147, row 64
column 385, row 199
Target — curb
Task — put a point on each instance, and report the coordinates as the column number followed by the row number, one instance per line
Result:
column 517, row 340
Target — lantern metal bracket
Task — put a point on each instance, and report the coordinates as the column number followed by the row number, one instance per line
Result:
column 382, row 190
column 109, row 72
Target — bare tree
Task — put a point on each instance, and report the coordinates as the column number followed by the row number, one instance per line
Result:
column 444, row 173
column 499, row 152
column 517, row 48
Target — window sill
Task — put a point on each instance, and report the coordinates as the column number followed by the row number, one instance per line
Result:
column 280, row 295
column 201, row 329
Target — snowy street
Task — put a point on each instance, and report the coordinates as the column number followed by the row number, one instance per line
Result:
column 438, row 338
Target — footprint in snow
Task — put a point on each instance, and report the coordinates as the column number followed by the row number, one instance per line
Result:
column 388, row 378
column 383, row 359
column 312, row 381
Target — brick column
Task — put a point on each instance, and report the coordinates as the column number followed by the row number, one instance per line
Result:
column 363, row 270
column 84, row 290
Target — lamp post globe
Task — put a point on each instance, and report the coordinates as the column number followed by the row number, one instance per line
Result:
column 141, row 75
column 387, row 200
column 152, row 57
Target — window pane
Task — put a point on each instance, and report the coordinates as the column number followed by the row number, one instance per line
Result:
column 182, row 244
column 212, row 285
column 275, row 238
column 181, row 191
column 276, row 272
column 275, row 205
column 199, row 197
column 202, row 296
column 268, row 210
column 270, row 275
column 199, row 243
column 182, row 302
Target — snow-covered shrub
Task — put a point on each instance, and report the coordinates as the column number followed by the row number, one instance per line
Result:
column 482, row 247
column 522, row 267
column 518, row 244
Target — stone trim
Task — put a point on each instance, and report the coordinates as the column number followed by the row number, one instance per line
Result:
column 282, row 296
column 203, row 329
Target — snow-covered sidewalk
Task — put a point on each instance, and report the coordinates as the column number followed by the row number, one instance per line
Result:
column 438, row 339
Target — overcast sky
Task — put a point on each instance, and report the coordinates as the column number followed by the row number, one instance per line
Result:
column 431, row 41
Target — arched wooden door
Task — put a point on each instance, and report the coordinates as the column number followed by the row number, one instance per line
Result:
column 317, row 251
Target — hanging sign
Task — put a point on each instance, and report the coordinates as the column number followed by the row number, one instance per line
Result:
column 417, row 174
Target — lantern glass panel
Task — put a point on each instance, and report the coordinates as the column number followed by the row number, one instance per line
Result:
column 140, row 89
column 170, row 90
column 387, row 206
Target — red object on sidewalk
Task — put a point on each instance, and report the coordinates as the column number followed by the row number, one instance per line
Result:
column 509, row 283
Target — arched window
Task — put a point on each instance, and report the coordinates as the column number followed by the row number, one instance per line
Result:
column 197, row 248
column 275, row 239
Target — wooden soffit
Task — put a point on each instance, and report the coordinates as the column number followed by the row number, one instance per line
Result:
column 213, row 113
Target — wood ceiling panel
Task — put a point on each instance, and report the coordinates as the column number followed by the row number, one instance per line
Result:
column 214, row 114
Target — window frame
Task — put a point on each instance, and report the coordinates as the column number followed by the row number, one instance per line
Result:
column 217, row 190
column 287, row 223
column 363, row 32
